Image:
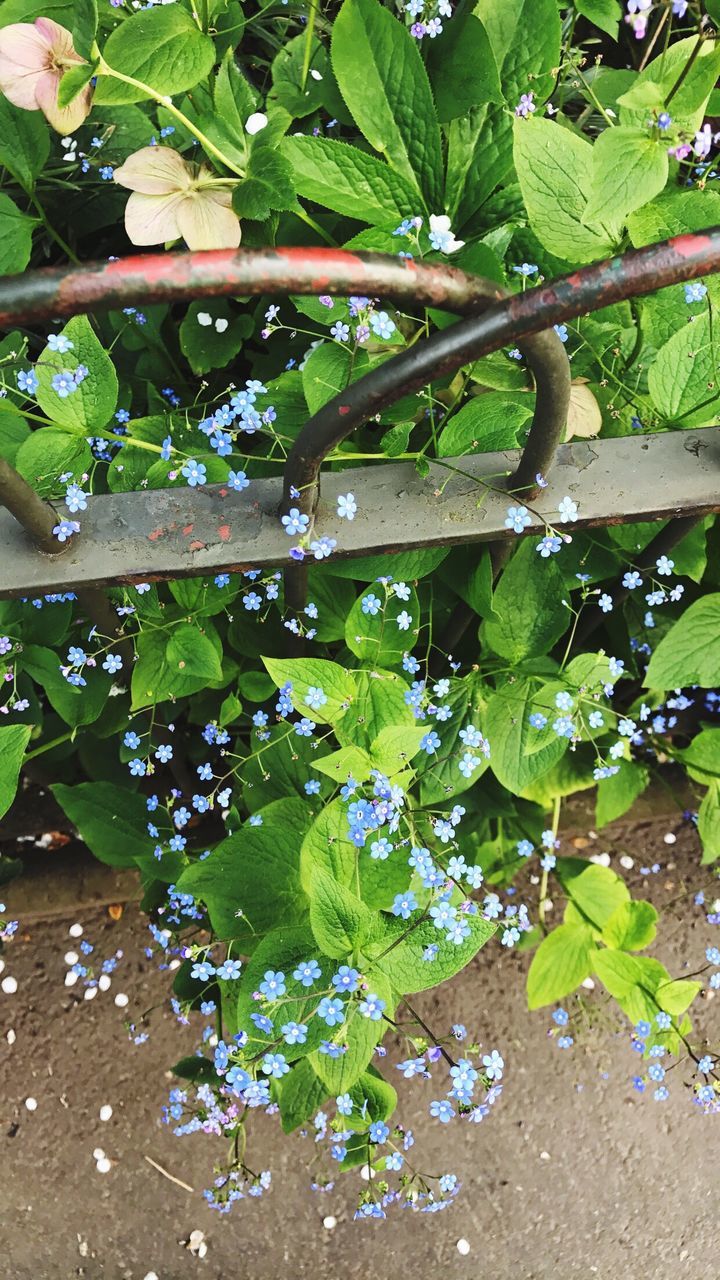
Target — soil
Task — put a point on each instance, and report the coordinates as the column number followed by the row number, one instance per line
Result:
column 573, row 1175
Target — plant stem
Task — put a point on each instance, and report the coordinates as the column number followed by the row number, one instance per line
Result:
column 55, row 235
column 542, row 904
column 307, row 47
column 164, row 101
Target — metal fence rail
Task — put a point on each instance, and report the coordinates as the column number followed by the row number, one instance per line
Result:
column 166, row 534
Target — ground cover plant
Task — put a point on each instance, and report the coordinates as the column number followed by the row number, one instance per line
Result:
column 321, row 835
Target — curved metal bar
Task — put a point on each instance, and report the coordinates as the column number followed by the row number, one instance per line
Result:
column 181, row 277
column 173, row 277
column 516, row 318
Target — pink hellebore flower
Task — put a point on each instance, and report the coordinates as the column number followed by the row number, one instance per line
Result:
column 33, row 59
column 173, row 198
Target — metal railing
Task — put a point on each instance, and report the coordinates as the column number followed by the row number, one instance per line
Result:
column 165, row 534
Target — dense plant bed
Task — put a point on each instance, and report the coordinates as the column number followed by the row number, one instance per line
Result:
column 328, row 806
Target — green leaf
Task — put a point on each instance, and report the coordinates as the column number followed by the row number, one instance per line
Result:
column 237, row 875
column 73, row 82
column 462, row 68
column 24, row 143
column 14, row 431
column 360, row 1035
column 348, row 761
column 396, row 440
column 675, row 997
column 620, row 972
column 644, row 94
column 76, row 706
column 528, row 604
column 235, row 101
column 16, row 230
column 631, row 927
column 395, row 746
column 615, row 795
column 153, row 679
column 340, row 921
column 13, row 741
column 212, row 346
column 47, row 454
column 518, row 753
column 408, row 566
column 90, row 407
column 85, row 25
column 373, row 1099
column 690, row 652
column 562, row 961
column 485, row 424
column 709, row 823
column 702, row 757
column 403, row 962
column 161, row 48
column 299, row 1094
column 693, row 83
column 525, row 37
column 629, row 169
column 596, row 891
column 283, row 950
column 683, row 379
column 391, row 101
column 200, row 596
column 335, row 683
column 269, row 185
column 334, row 599
column 328, row 370
column 191, row 652
column 326, row 847
column 555, row 171
column 281, row 770
column 298, row 98
column 379, row 702
column 440, row 778
column 352, row 182
column 377, row 638
column 111, row 820
column 605, row 14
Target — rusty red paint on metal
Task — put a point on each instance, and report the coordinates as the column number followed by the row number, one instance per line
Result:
column 178, row 277
column 690, row 244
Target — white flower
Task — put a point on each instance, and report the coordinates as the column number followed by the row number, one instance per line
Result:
column 441, row 236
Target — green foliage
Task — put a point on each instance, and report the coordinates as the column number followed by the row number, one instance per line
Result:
column 391, row 102
column 13, row 742
column 340, row 922
column 350, row 181
column 88, row 408
column 529, row 609
column 690, row 652
column 351, row 791
column 233, row 880
column 561, row 962
column 161, row 49
column 555, row 169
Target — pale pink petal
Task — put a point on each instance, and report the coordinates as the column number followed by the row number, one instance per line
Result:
column 152, row 219
column 57, row 38
column 24, row 57
column 63, row 119
column 155, row 171
column 207, row 222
